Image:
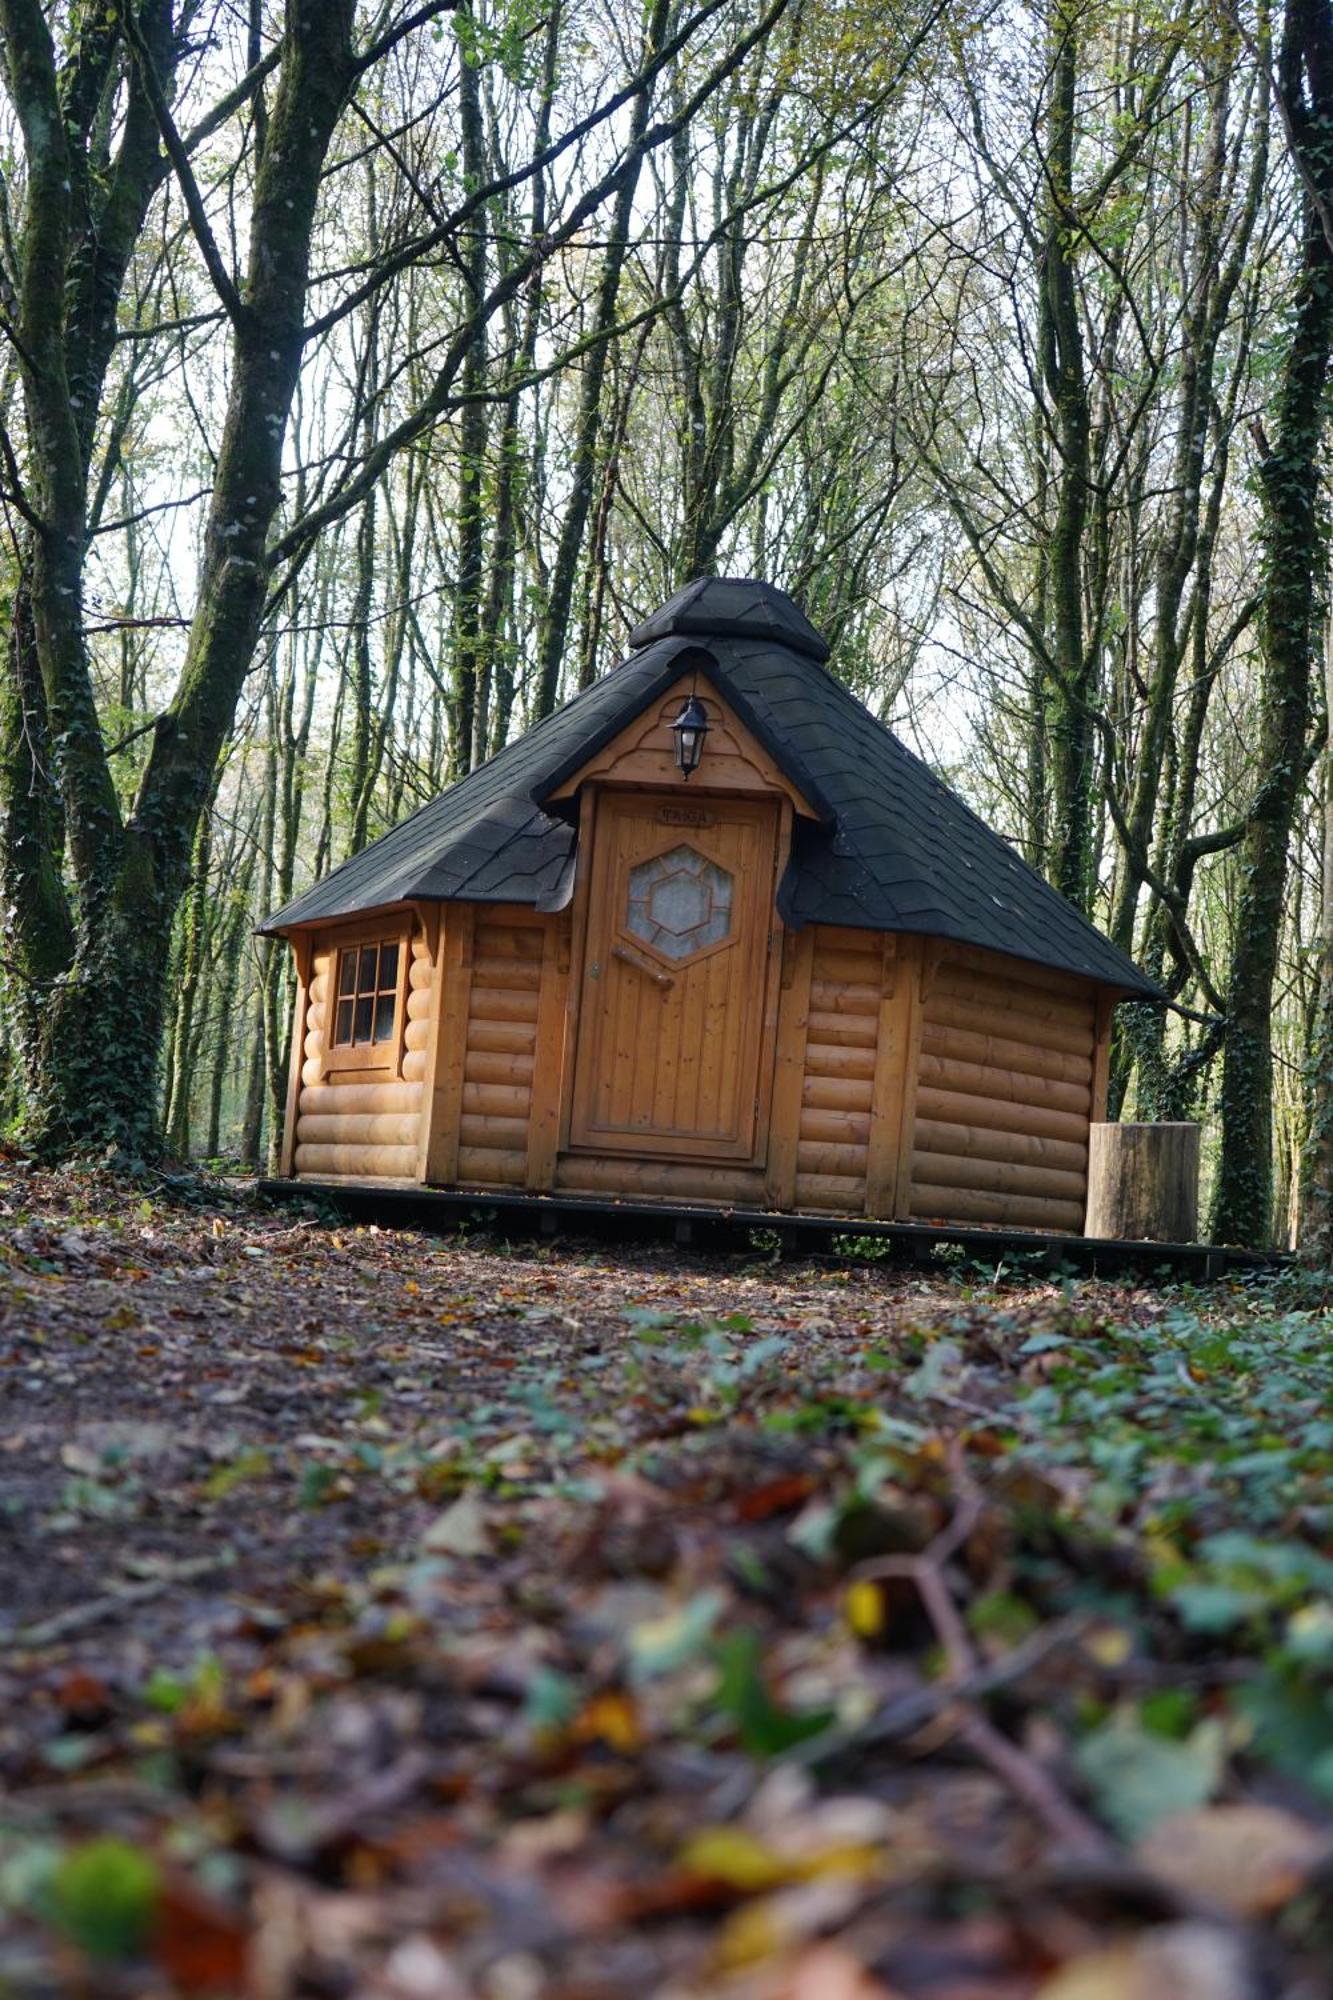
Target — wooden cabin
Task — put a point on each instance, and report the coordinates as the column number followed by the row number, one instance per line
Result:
column 774, row 965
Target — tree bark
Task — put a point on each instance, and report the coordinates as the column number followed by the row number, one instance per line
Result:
column 1294, row 554
column 96, row 1069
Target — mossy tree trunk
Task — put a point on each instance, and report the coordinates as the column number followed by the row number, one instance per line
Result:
column 1294, row 556
column 94, row 1081
column 1070, row 693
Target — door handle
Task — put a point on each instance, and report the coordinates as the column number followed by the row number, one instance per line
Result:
column 643, row 965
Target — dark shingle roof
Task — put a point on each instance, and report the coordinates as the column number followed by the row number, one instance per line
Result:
column 895, row 849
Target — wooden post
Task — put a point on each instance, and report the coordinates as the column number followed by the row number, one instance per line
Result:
column 1101, row 1053
column 548, row 1064
column 784, row 1129
column 301, row 946
column 897, row 1063
column 1143, row 1183
column 444, row 1107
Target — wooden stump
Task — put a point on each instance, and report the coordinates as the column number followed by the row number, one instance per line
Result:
column 1143, row 1183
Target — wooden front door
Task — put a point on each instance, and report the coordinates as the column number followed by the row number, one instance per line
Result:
column 675, row 978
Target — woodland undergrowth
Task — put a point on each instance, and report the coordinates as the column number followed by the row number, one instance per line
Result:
column 395, row 1616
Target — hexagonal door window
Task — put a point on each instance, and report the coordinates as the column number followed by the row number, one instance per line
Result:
column 680, row 903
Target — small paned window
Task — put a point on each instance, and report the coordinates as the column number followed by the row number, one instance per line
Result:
column 367, row 994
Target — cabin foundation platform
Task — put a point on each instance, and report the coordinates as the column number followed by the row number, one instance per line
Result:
column 443, row 1210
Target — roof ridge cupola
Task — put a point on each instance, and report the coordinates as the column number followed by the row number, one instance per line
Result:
column 732, row 607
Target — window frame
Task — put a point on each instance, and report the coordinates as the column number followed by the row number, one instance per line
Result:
column 382, row 1056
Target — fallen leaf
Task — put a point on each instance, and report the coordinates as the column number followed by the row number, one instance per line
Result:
column 1177, row 1962
column 461, row 1530
column 1248, row 1859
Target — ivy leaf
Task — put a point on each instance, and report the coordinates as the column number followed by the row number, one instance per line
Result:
column 765, row 1728
column 104, row 1897
column 1138, row 1778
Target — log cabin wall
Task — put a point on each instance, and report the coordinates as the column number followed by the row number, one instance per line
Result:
column 499, row 1048
column 838, row 1069
column 363, row 1122
column 922, row 1080
column 1004, row 1093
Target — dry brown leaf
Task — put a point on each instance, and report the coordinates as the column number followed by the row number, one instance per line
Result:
column 1247, row 1859
column 1177, row 1962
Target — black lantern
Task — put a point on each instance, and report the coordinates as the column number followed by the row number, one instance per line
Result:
column 689, row 729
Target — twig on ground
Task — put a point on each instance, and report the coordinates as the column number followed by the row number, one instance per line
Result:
column 78, row 1617
column 957, row 1688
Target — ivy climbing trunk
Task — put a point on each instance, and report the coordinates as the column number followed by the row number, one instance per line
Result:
column 1070, row 688
column 95, row 1068
column 1294, row 549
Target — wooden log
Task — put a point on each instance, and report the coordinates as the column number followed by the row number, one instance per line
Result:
column 1143, row 1182
column 853, row 1031
column 510, row 940
column 491, row 1167
column 418, row 1034
column 994, row 1015
column 980, row 1080
column 842, row 1193
column 837, row 937
column 1035, row 995
column 975, row 1142
column 420, row 974
column 359, row 1128
column 960, row 1107
column 370, row 1163
column 502, row 1037
column 945, row 1204
column 494, row 1066
column 312, row 1069
column 419, row 1003
column 380, row 1180
column 818, row 1156
column 827, row 1059
column 953, row 1170
column 998, row 966
column 502, row 1100
column 416, row 1065
column 835, row 996
column 513, row 975
column 842, row 1127
column 955, row 983
column 1000, row 1052
column 588, row 1174
column 848, row 968
column 505, row 1135
column 836, row 1093
column 323, row 1100
column 497, row 1003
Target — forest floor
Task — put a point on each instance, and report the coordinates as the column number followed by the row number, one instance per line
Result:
column 413, row 1619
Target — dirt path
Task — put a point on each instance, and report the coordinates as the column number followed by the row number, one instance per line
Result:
column 400, row 1617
